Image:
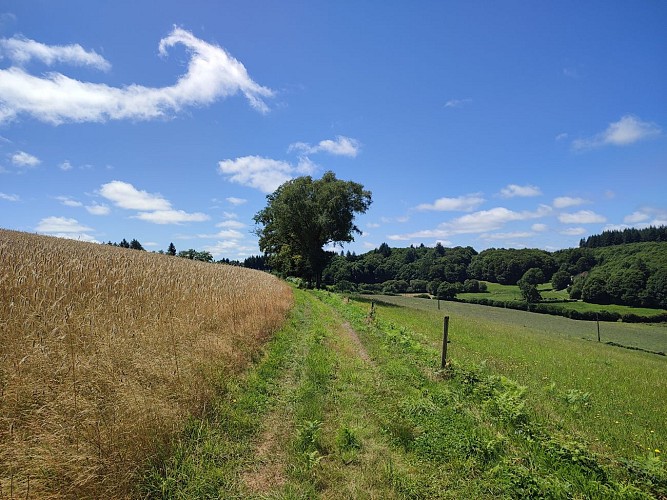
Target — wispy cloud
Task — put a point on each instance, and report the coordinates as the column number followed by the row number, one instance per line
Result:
column 582, row 217
column 636, row 217
column 231, row 224
column 21, row 50
column 236, row 201
column 65, row 166
column 340, row 146
column 262, row 173
column 9, row 197
column 98, row 209
column 457, row 103
column 69, row 202
column 628, row 130
column 514, row 190
column 568, row 201
column 573, row 231
column 459, row 204
column 23, row 159
column 170, row 216
column 507, row 236
column 483, row 221
column 56, row 98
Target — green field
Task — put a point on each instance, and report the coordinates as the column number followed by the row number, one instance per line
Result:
column 647, row 336
column 344, row 404
column 509, row 293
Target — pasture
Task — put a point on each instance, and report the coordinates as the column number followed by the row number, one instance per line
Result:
column 508, row 293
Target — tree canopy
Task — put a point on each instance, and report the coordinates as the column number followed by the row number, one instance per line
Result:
column 302, row 216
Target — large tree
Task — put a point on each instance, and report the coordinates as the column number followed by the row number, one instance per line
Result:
column 302, row 216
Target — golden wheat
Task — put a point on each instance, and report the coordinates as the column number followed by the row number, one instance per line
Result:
column 104, row 352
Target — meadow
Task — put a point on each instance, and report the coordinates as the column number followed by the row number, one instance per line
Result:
column 349, row 402
column 106, row 352
column 509, row 293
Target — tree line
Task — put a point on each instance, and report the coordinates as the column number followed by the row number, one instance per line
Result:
column 622, row 236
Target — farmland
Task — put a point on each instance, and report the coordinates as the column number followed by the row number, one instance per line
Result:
column 132, row 374
column 105, row 353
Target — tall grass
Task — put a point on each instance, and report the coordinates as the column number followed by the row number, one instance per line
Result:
column 104, row 352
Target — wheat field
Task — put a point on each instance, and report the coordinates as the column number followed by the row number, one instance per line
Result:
column 105, row 352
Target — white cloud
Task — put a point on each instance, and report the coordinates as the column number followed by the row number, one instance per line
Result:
column 152, row 207
column 568, row 201
column 258, row 172
column 458, row 204
column 373, row 225
column 636, row 217
column 582, row 217
column 514, row 190
column 230, row 224
column 69, row 202
column 507, row 236
column 341, row 146
column 628, row 130
column 236, row 201
column 573, row 231
column 493, row 219
column 65, row 166
column 60, row 225
column 539, row 228
column 9, row 197
column 23, row 159
column 98, row 209
column 562, row 136
column 232, row 248
column 229, row 234
column 170, row 216
column 21, row 50
column 476, row 222
column 125, row 195
column 457, row 103
column 56, row 98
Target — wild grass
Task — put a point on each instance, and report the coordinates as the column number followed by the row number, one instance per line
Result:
column 106, row 352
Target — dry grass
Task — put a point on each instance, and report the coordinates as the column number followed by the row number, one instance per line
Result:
column 104, row 352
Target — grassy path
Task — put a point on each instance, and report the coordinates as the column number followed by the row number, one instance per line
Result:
column 346, row 406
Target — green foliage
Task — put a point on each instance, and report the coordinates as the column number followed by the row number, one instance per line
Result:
column 529, row 291
column 302, row 216
column 193, row 254
column 533, row 276
column 447, row 291
column 561, row 280
column 171, row 250
column 507, row 266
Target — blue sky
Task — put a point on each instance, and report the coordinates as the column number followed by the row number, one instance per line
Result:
column 490, row 124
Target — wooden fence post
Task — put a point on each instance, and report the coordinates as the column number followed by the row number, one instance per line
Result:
column 597, row 320
column 445, row 335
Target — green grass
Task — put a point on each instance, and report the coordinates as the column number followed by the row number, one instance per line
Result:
column 509, row 293
column 344, row 405
column 628, row 390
